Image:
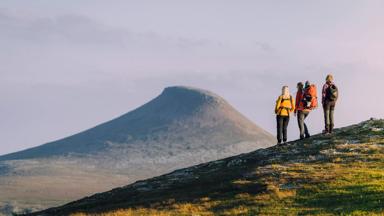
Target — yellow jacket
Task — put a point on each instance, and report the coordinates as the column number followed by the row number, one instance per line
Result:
column 284, row 106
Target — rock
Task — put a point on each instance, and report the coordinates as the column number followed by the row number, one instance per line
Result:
column 330, row 152
column 235, row 162
column 377, row 129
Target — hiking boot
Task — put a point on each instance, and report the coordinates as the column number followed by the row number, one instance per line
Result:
column 331, row 130
column 325, row 132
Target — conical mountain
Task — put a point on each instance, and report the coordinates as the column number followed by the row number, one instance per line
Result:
column 181, row 127
column 184, row 116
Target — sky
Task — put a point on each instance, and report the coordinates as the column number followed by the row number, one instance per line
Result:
column 66, row 66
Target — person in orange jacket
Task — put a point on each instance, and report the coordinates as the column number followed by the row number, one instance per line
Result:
column 301, row 111
column 284, row 106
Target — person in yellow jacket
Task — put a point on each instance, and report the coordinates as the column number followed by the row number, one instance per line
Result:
column 284, row 106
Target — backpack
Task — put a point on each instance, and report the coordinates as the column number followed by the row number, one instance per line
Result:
column 332, row 92
column 284, row 99
column 310, row 97
column 290, row 99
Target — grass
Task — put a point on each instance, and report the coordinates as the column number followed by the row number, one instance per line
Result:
column 323, row 189
column 338, row 175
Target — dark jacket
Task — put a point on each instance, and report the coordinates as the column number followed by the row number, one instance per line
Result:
column 324, row 99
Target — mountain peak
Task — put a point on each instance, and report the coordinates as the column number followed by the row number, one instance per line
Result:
column 190, row 97
column 182, row 90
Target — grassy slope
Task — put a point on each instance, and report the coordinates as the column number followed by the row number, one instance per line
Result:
column 324, row 175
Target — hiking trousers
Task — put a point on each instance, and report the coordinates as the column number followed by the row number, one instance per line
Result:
column 282, row 126
column 329, row 110
column 301, row 116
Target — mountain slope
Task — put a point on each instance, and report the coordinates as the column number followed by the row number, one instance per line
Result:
column 181, row 127
column 178, row 110
column 323, row 175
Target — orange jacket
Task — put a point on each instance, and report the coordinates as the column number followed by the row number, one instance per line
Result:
column 299, row 101
column 299, row 105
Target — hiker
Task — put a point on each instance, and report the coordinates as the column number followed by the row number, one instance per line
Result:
column 330, row 95
column 301, row 111
column 284, row 106
column 306, row 101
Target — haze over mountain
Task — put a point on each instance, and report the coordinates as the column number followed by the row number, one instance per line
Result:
column 183, row 126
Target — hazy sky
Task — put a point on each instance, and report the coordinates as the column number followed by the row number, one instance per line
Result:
column 66, row 66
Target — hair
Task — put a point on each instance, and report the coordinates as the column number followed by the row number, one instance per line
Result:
column 307, row 84
column 329, row 78
column 300, row 84
column 285, row 91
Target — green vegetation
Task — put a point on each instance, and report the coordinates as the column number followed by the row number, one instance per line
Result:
column 342, row 174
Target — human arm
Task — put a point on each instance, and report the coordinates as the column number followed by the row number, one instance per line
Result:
column 277, row 106
column 298, row 100
column 324, row 93
column 293, row 107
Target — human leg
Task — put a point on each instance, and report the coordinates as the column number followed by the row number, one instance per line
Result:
column 326, row 108
column 331, row 118
column 285, row 128
column 279, row 127
column 300, row 121
column 306, row 131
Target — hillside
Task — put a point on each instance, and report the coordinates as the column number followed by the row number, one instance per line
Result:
column 181, row 127
column 324, row 175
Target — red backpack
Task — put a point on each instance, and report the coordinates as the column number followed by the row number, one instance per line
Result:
column 310, row 97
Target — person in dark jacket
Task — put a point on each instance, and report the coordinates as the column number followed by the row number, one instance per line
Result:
column 330, row 95
column 301, row 111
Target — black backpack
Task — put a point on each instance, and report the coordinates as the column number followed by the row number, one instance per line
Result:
column 332, row 92
column 290, row 99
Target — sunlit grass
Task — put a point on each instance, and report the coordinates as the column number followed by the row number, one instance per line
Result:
column 324, row 189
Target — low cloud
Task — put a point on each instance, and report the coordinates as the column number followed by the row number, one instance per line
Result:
column 73, row 49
